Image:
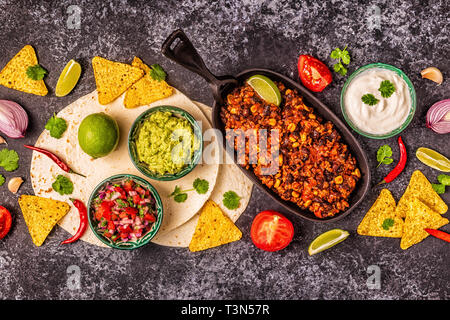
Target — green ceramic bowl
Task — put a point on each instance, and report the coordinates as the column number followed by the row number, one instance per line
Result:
column 412, row 94
column 149, row 235
column 143, row 167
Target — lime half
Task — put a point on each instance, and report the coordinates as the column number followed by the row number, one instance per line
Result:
column 265, row 88
column 68, row 78
column 327, row 240
column 433, row 159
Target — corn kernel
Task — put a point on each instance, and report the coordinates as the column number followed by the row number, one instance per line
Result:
column 308, row 203
column 312, row 116
column 292, row 138
column 254, row 108
column 338, row 180
column 233, row 111
column 277, row 183
column 295, row 144
column 272, row 122
column 357, row 173
column 295, row 194
column 291, row 127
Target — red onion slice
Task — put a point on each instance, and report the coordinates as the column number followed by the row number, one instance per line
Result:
column 13, row 119
column 438, row 117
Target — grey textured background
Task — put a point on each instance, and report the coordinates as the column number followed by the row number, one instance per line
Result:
column 231, row 36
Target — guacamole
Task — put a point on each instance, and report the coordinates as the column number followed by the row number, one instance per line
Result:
column 166, row 143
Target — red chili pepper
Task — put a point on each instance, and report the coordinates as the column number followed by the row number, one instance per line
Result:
column 400, row 165
column 55, row 159
column 439, row 234
column 83, row 221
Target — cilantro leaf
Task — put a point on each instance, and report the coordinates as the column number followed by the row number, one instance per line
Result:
column 369, row 99
column 384, row 155
column 157, row 72
column 444, row 179
column 336, row 53
column 387, row 223
column 36, row 72
column 62, row 185
column 439, row 188
column 342, row 56
column 201, row 185
column 9, row 159
column 2, row 180
column 231, row 200
column 56, row 126
column 386, row 89
column 181, row 197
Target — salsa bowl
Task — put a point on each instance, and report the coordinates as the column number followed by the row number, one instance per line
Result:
column 98, row 229
column 142, row 166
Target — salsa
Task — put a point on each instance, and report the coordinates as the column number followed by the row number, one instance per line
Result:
column 124, row 211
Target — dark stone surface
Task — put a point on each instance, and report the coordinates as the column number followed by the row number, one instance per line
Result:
column 231, row 36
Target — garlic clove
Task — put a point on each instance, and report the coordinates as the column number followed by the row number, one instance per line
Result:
column 14, row 184
column 3, row 141
column 433, row 74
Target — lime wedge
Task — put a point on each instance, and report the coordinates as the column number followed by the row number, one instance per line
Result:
column 265, row 88
column 433, row 159
column 327, row 240
column 68, row 78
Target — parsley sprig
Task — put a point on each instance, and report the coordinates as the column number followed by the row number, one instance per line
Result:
column 62, row 185
column 56, row 126
column 342, row 57
column 36, row 72
column 386, row 89
column 200, row 185
column 388, row 223
column 384, row 155
column 157, row 73
column 9, row 159
column 369, row 99
column 231, row 200
column 444, row 180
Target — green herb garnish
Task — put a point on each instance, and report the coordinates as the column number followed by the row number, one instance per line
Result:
column 201, row 185
column 56, row 126
column 343, row 57
column 179, row 195
column 387, row 223
column 438, row 187
column 444, row 179
column 384, row 155
column 369, row 99
column 36, row 72
column 2, row 180
column 231, row 200
column 157, row 73
column 9, row 159
column 386, row 89
column 62, row 185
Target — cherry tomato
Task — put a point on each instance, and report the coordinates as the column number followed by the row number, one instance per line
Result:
column 5, row 222
column 128, row 185
column 271, row 231
column 314, row 74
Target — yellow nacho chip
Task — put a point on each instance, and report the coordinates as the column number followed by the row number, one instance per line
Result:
column 419, row 217
column 419, row 187
column 41, row 215
column 14, row 74
column 146, row 90
column 380, row 220
column 113, row 78
column 213, row 229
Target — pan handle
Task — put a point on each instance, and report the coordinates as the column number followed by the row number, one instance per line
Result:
column 179, row 48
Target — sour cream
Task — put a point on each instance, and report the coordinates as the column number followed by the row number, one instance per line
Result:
column 389, row 113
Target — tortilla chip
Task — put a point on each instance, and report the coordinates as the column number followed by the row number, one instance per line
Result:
column 41, row 215
column 419, row 217
column 14, row 74
column 420, row 187
column 113, row 78
column 382, row 209
column 213, row 229
column 146, row 90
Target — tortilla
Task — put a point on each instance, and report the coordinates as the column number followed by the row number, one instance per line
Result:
column 419, row 217
column 145, row 90
column 113, row 78
column 41, row 215
column 375, row 222
column 213, row 229
column 181, row 236
column 419, row 187
column 14, row 74
column 43, row 169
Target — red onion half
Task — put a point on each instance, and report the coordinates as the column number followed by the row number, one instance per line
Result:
column 438, row 117
column 13, row 119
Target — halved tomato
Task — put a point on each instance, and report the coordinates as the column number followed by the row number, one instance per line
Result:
column 271, row 231
column 314, row 74
column 5, row 222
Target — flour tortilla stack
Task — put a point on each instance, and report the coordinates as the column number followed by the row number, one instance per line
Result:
column 43, row 170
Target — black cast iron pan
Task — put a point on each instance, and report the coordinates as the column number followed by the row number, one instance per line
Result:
column 178, row 48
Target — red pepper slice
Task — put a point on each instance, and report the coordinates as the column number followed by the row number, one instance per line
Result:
column 400, row 165
column 83, row 221
column 439, row 234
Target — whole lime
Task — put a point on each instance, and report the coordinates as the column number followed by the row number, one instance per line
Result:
column 98, row 134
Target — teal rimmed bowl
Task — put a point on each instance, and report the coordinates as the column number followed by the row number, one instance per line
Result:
column 412, row 94
column 142, row 166
column 129, row 245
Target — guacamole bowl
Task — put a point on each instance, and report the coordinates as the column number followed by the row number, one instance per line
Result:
column 106, row 191
column 165, row 143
